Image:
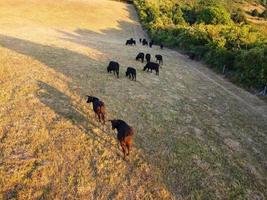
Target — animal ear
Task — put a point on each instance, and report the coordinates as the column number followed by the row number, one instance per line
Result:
column 112, row 120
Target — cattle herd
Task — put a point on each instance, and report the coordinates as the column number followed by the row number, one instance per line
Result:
column 125, row 132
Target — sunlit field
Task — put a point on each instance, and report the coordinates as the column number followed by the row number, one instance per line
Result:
column 197, row 135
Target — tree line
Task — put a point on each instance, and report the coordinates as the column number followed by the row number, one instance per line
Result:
column 210, row 32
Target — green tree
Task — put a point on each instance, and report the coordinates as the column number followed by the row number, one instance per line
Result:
column 190, row 15
column 177, row 15
column 214, row 15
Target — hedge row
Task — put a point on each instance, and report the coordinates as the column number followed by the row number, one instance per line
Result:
column 208, row 32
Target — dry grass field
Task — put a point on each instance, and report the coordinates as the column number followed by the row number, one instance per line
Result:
column 197, row 135
column 257, row 22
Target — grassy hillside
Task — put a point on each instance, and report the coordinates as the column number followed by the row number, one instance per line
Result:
column 51, row 146
column 197, row 136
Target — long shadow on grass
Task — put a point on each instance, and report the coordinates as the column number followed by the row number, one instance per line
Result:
column 72, row 65
column 62, row 105
column 104, row 41
column 62, row 60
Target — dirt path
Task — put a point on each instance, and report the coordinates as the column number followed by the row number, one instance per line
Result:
column 192, row 127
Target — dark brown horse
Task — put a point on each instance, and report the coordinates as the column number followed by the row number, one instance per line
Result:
column 98, row 107
column 124, row 135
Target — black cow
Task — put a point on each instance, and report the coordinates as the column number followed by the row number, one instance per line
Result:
column 152, row 66
column 140, row 56
column 140, row 40
column 144, row 42
column 148, row 57
column 115, row 67
column 161, row 46
column 159, row 59
column 130, row 42
column 131, row 73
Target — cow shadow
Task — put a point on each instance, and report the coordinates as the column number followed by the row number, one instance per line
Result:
column 63, row 106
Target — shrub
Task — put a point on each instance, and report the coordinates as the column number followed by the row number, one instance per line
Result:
column 207, row 3
column 238, row 16
column 177, row 16
column 189, row 15
column 199, row 51
column 220, row 57
column 252, row 67
column 214, row 15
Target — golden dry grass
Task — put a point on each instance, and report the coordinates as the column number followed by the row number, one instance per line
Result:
column 258, row 23
column 197, row 136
